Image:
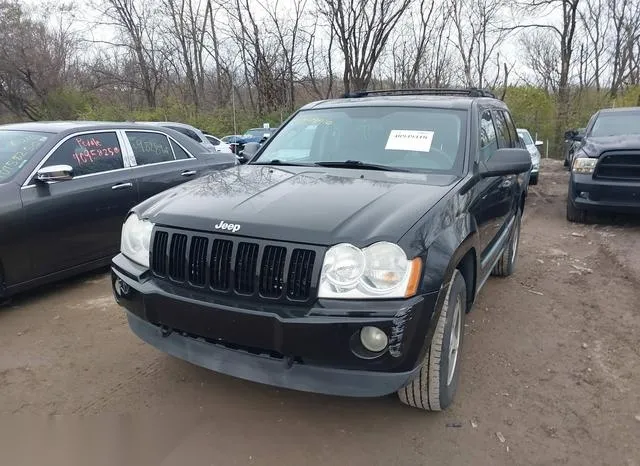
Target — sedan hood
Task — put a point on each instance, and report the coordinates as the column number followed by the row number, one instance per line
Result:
column 317, row 206
column 594, row 146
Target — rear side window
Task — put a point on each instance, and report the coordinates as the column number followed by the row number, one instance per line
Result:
column 89, row 153
column 180, row 153
column 504, row 138
column 488, row 137
column 187, row 132
column 213, row 141
column 150, row 148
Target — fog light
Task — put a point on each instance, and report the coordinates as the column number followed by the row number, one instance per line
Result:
column 121, row 288
column 373, row 339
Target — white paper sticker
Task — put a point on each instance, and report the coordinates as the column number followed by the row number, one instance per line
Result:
column 409, row 140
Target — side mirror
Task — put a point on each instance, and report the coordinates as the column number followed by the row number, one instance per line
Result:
column 568, row 135
column 577, row 137
column 55, row 173
column 539, row 143
column 250, row 149
column 507, row 161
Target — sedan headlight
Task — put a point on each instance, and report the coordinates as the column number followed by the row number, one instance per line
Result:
column 381, row 270
column 135, row 240
column 584, row 165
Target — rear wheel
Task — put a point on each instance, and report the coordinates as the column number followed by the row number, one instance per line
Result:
column 434, row 387
column 507, row 263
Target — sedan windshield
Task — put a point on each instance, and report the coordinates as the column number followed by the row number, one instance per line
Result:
column 16, row 149
column 616, row 124
column 411, row 138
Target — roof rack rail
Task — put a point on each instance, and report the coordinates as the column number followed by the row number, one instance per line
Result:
column 469, row 92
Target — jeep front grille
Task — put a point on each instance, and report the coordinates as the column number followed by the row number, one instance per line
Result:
column 237, row 266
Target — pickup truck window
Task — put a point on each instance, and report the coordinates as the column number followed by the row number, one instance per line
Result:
column 429, row 139
column 504, row 138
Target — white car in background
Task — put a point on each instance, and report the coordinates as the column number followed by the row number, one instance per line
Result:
column 532, row 147
column 219, row 144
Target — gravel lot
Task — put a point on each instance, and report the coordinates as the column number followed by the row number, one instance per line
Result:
column 550, row 374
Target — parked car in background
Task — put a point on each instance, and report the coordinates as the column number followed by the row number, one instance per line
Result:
column 238, row 141
column 65, row 188
column 262, row 134
column 532, row 147
column 346, row 266
column 572, row 141
column 218, row 143
column 605, row 171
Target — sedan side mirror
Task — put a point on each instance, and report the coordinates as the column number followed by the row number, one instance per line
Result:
column 507, row 161
column 55, row 173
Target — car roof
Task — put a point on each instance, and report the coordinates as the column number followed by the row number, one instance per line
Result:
column 56, row 127
column 620, row 110
column 408, row 100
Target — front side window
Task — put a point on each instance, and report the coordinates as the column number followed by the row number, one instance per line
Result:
column 504, row 139
column 616, row 124
column 89, row 153
column 150, row 147
column 16, row 149
column 488, row 137
column 430, row 139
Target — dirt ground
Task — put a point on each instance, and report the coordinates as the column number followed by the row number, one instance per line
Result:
column 550, row 375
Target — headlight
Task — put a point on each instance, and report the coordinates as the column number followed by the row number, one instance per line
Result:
column 136, row 236
column 378, row 271
column 584, row 165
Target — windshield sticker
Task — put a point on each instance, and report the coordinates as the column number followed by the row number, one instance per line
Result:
column 419, row 141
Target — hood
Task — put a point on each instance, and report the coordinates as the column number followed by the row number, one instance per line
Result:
column 316, row 206
column 594, row 146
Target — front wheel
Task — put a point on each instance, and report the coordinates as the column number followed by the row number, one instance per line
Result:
column 533, row 180
column 434, row 387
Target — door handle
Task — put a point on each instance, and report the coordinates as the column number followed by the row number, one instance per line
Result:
column 189, row 173
column 122, row 186
column 506, row 183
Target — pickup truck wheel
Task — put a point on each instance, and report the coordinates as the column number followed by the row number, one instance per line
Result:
column 434, row 387
column 575, row 214
column 507, row 263
column 3, row 299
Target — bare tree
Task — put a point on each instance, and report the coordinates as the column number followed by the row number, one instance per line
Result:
column 479, row 33
column 595, row 22
column 362, row 29
column 625, row 16
column 136, row 26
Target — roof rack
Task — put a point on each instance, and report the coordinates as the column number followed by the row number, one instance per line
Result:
column 468, row 92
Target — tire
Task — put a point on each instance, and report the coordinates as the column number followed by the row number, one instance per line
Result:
column 507, row 263
column 533, row 180
column 435, row 386
column 575, row 214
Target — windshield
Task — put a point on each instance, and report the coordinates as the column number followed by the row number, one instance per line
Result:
column 616, row 124
column 16, row 149
column 526, row 137
column 430, row 139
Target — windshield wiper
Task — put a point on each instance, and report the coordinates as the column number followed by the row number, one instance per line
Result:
column 285, row 163
column 360, row 164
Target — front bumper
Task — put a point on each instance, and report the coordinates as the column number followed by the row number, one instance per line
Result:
column 315, row 349
column 588, row 193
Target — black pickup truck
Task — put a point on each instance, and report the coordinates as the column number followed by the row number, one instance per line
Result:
column 343, row 257
column 605, row 170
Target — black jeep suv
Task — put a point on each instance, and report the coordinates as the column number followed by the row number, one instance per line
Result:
column 605, row 170
column 343, row 257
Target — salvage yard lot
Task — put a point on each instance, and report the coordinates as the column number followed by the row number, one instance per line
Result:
column 550, row 369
